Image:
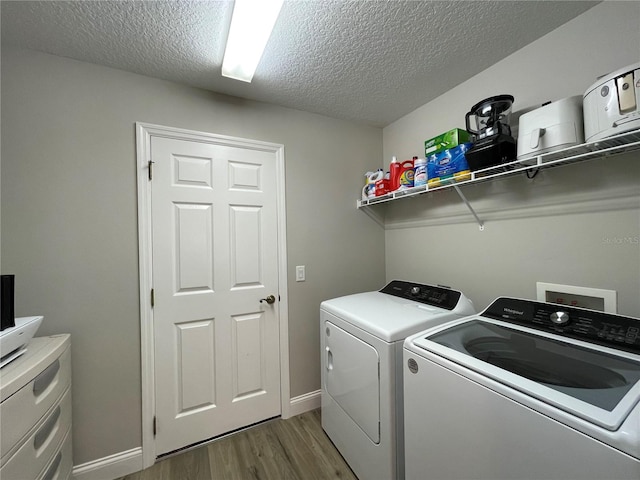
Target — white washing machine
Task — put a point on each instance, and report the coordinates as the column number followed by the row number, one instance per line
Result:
column 362, row 337
column 524, row 390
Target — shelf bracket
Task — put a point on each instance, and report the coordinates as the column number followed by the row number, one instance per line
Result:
column 466, row 202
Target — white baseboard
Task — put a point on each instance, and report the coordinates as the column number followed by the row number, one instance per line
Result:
column 304, row 403
column 130, row 461
column 108, row 468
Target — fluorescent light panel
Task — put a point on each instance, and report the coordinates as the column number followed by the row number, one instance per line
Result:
column 251, row 26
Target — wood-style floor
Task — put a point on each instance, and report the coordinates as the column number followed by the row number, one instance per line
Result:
column 293, row 449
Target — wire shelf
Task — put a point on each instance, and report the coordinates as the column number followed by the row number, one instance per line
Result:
column 623, row 143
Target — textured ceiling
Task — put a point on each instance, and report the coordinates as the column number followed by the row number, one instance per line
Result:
column 369, row 61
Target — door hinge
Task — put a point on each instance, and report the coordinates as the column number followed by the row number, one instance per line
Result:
column 153, row 297
column 150, row 164
column 155, row 425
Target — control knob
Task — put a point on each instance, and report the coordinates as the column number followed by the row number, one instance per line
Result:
column 415, row 290
column 559, row 318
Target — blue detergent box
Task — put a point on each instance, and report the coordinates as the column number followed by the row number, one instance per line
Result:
column 448, row 166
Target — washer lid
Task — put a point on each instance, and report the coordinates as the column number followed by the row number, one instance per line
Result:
column 391, row 318
column 595, row 383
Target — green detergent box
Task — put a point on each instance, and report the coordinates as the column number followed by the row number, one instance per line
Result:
column 446, row 140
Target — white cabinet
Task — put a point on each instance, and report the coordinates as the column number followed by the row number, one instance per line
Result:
column 35, row 413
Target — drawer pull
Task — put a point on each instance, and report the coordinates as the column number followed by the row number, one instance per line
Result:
column 43, row 380
column 45, row 431
column 53, row 469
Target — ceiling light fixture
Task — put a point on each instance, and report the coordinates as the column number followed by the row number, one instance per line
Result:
column 251, row 26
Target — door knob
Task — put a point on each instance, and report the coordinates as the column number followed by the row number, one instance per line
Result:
column 270, row 299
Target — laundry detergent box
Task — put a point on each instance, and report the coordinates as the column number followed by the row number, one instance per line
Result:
column 448, row 166
column 446, row 140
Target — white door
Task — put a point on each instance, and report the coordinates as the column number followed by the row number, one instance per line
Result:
column 214, row 236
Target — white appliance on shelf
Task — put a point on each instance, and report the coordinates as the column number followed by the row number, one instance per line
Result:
column 524, row 390
column 362, row 337
column 553, row 126
column 612, row 104
column 14, row 340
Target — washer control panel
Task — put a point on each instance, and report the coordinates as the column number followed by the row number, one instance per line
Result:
column 438, row 296
column 607, row 329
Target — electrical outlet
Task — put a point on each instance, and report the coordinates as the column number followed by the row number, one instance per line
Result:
column 300, row 273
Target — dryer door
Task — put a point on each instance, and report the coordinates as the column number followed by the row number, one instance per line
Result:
column 352, row 378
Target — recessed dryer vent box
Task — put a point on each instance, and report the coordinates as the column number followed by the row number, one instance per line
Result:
column 585, row 297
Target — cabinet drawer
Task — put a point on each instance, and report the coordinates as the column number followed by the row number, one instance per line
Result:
column 21, row 411
column 42, row 445
column 61, row 465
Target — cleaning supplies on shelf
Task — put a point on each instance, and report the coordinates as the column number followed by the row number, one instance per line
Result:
column 419, row 172
column 449, row 165
column 383, row 186
column 445, row 141
column 369, row 189
column 406, row 175
column 394, row 173
column 401, row 175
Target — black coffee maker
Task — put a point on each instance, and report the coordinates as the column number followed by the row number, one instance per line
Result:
column 493, row 143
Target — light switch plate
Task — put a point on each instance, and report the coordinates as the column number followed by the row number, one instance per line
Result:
column 300, row 273
column 585, row 297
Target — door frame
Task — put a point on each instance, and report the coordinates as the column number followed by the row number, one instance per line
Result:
column 144, row 132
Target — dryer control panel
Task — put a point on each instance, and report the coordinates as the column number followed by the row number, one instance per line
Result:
column 615, row 331
column 438, row 296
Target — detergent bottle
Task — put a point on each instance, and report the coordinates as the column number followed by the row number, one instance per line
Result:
column 382, row 185
column 369, row 189
column 405, row 174
column 394, row 174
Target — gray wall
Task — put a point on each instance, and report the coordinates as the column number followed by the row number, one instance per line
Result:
column 69, row 221
column 577, row 224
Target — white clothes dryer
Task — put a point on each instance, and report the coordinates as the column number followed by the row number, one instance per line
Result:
column 524, row 390
column 362, row 337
